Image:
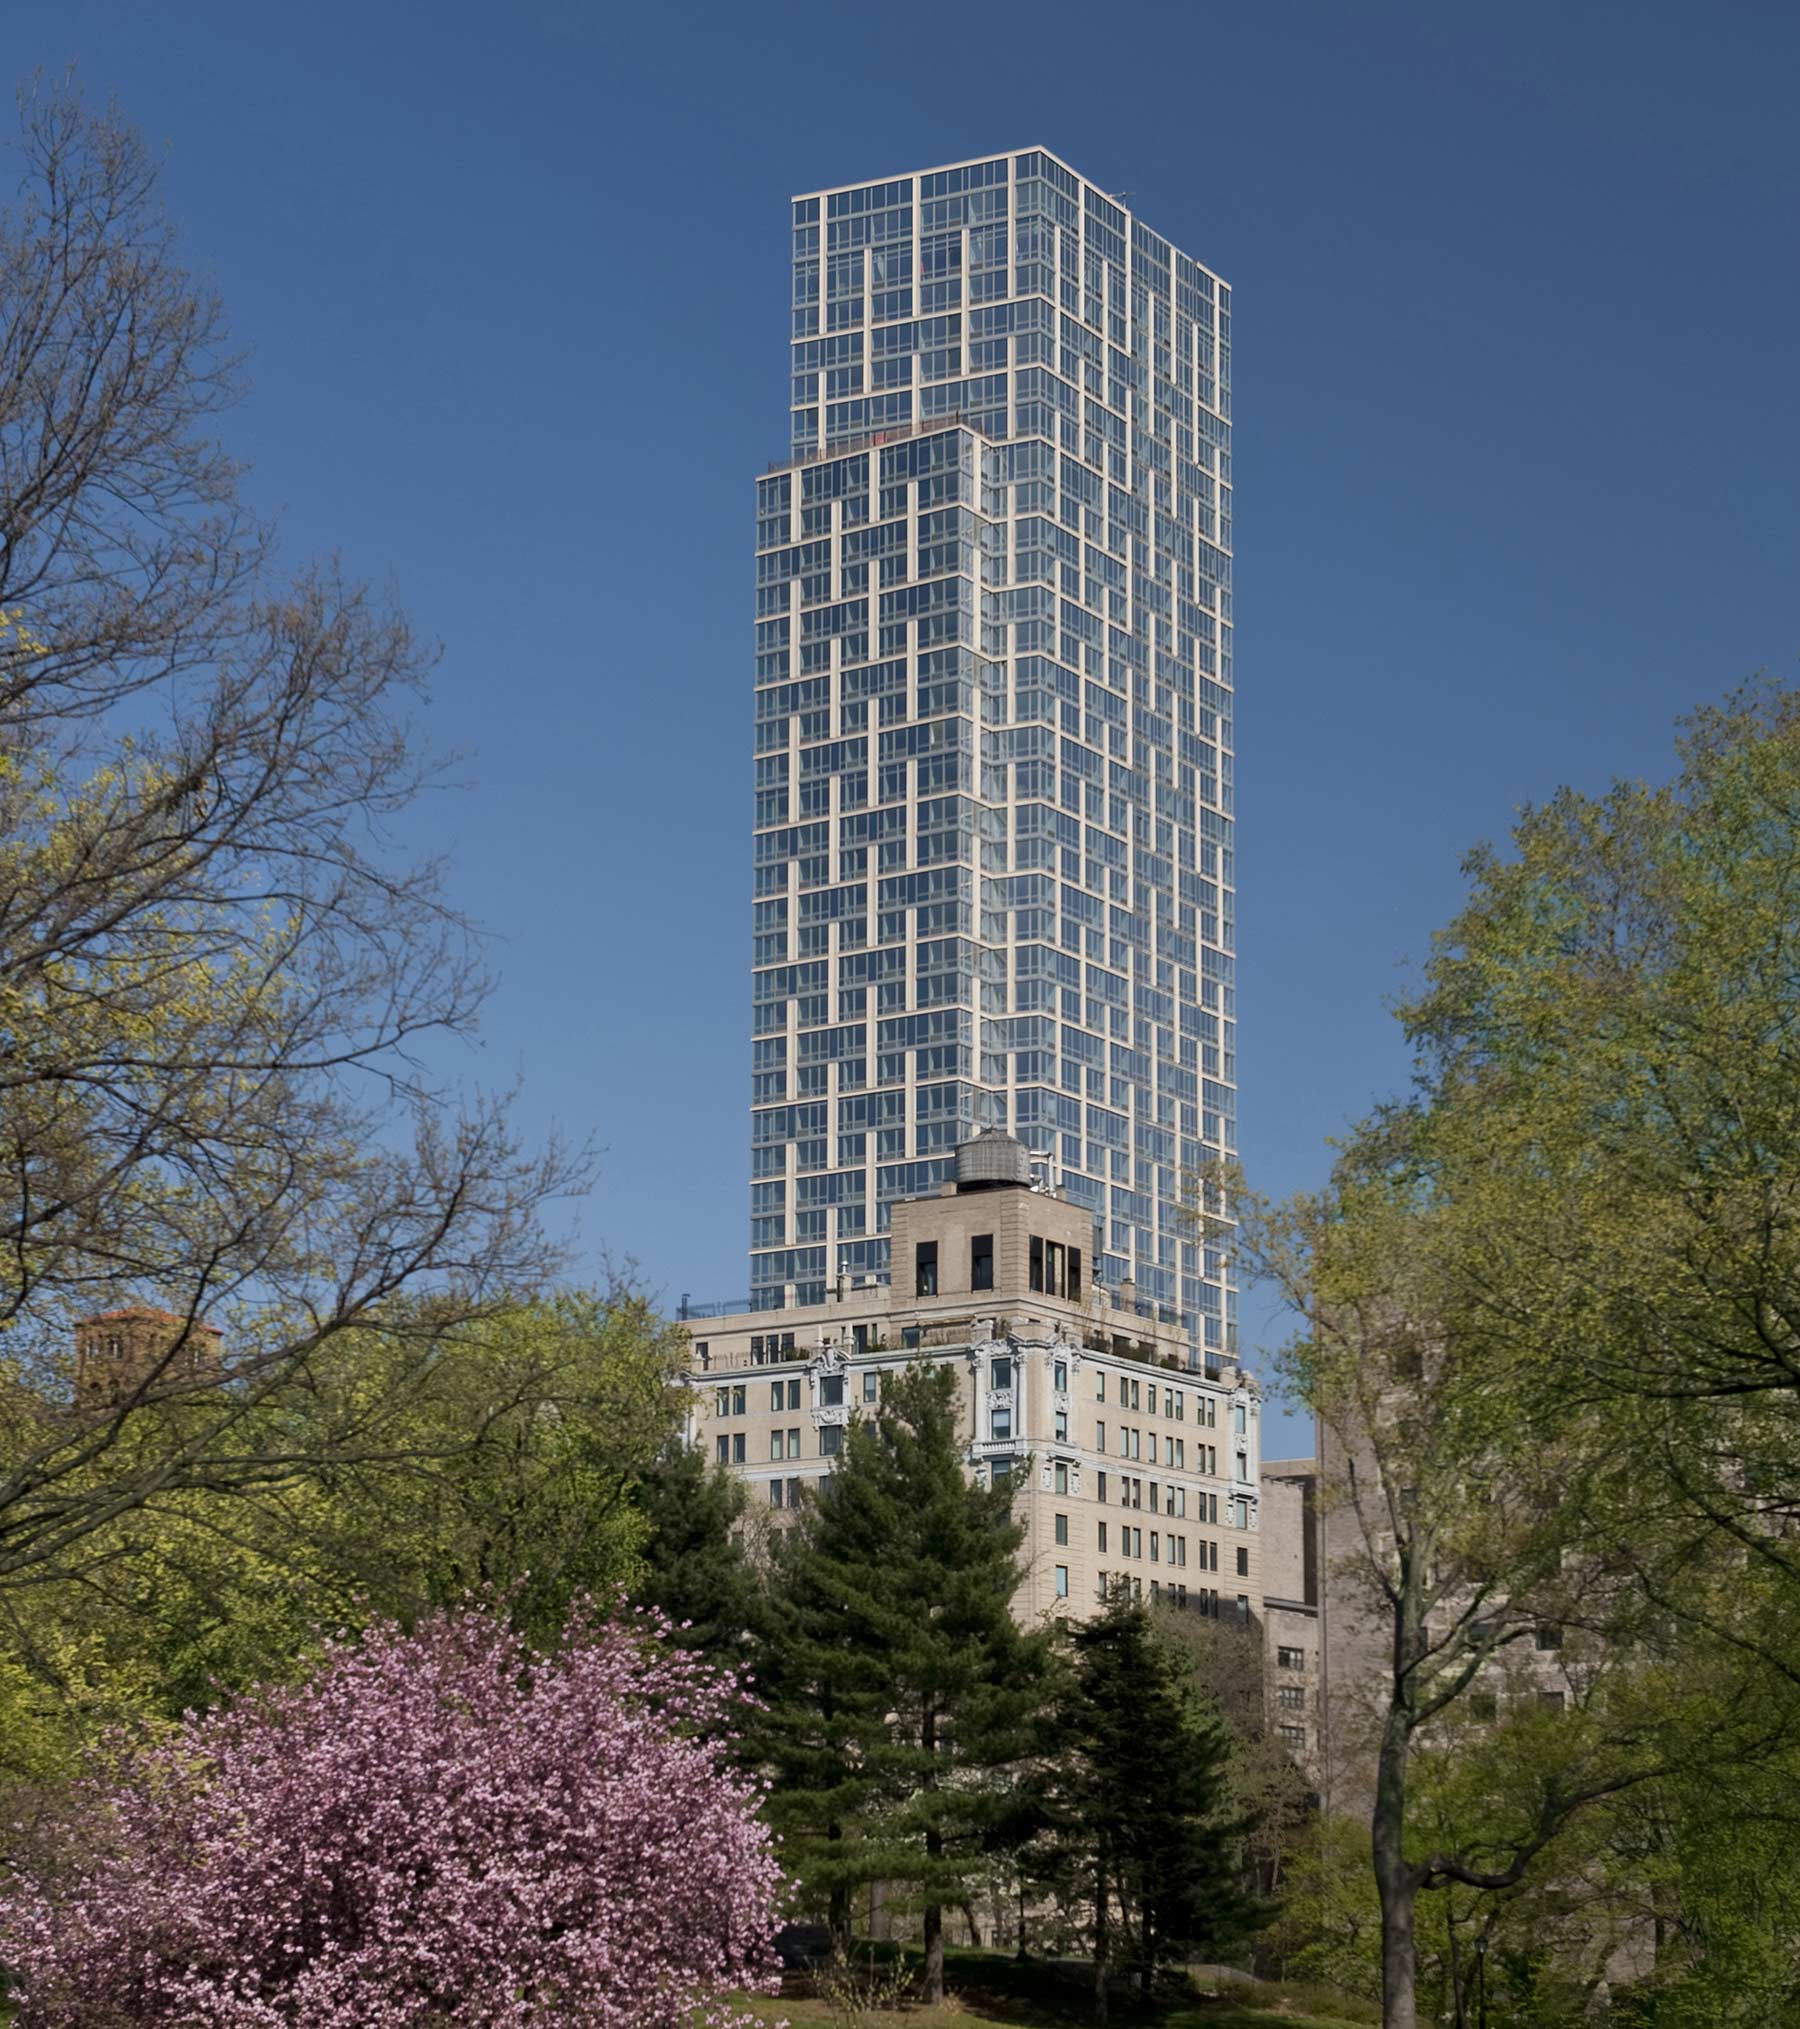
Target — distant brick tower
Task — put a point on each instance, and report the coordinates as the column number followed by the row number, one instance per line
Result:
column 117, row 1350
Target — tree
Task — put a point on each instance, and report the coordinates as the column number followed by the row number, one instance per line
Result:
column 1142, row 1820
column 1548, row 1304
column 1613, row 1013
column 510, row 1462
column 1270, row 1792
column 902, row 1691
column 451, row 1825
column 218, row 981
column 692, row 1566
column 1480, row 1497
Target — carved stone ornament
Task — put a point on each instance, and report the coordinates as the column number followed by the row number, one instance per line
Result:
column 831, row 1412
column 830, row 1358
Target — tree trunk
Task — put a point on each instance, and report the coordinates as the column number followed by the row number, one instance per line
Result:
column 1100, row 1944
column 1395, row 1881
column 934, row 1852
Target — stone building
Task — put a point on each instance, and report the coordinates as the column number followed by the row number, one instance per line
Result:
column 120, row 1351
column 1134, row 1460
column 1293, row 1609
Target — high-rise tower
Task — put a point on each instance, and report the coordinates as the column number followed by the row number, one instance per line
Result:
column 994, row 878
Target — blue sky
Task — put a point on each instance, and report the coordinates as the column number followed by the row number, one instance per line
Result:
column 1518, row 446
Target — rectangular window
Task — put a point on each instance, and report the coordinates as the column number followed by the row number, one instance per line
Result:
column 1074, row 1274
column 777, row 1444
column 1155, row 1547
column 724, row 1450
column 1000, row 1422
column 925, row 1268
column 869, row 1386
column 756, row 1351
column 1153, row 1447
column 1053, row 1268
column 775, row 1493
column 1000, row 1373
column 831, row 1391
column 722, row 1406
column 1243, row 1561
column 1061, row 1477
column 793, row 1493
column 1290, row 1659
column 793, row 1401
column 1101, row 1546
column 981, row 1261
column 793, row 1444
column 738, row 1444
column 1062, row 1581
column 1062, row 1528
column 1099, row 1384
column 831, row 1440
column 1099, row 1436
column 1549, row 1637
column 1100, row 1487
column 1243, row 1609
column 1294, row 1738
column 740, row 1398
column 1037, row 1263
column 777, row 1395
column 1291, row 1698
column 1059, row 1376
column 1062, row 1426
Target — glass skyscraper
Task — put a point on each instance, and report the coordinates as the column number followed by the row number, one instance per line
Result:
column 994, row 875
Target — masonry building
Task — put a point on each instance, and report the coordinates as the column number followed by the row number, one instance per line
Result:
column 1131, row 1460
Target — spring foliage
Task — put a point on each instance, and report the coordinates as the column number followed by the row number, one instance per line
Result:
column 448, row 1826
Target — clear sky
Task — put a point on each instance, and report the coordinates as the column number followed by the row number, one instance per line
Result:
column 1517, row 445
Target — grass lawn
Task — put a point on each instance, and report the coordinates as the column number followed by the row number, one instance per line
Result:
column 990, row 1991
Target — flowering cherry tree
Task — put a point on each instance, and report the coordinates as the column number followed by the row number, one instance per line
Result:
column 441, row 1827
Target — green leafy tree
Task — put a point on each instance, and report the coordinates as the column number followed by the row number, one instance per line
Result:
column 1143, row 1824
column 511, row 1465
column 1612, row 1017
column 1551, row 1310
column 902, row 1691
column 693, row 1565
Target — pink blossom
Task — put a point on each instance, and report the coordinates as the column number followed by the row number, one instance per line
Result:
column 442, row 1827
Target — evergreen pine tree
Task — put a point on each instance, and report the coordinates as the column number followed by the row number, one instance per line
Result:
column 902, row 1692
column 693, row 1564
column 1143, row 1834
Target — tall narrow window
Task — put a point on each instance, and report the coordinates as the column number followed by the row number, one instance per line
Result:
column 981, row 1261
column 1074, row 1274
column 1053, row 1268
column 925, row 1268
column 1037, row 1262
column 831, row 1391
